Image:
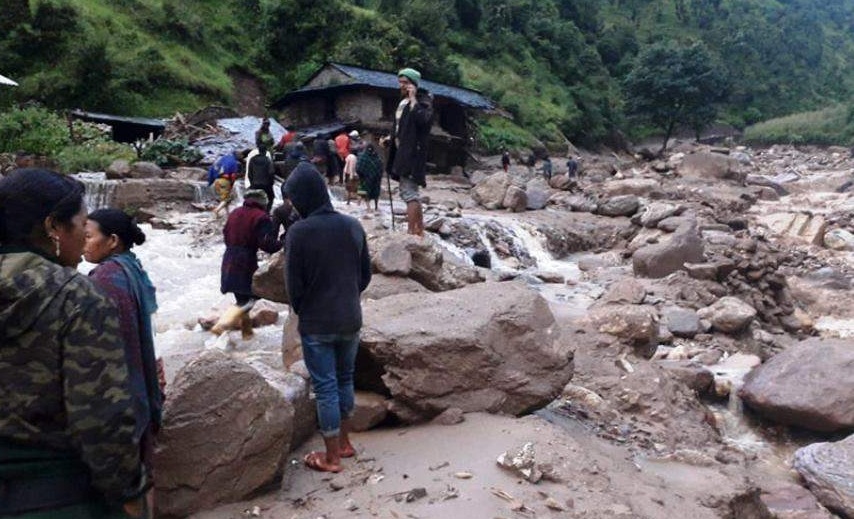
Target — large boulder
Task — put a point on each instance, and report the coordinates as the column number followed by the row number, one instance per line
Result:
column 809, row 385
column 119, row 168
column 538, row 193
column 578, row 203
column 268, row 281
column 631, row 186
column 486, row 347
column 682, row 322
column 636, row 324
column 563, row 183
column 652, row 214
column 490, row 191
column 515, row 199
column 623, row 205
column 146, row 170
column 226, row 432
column 383, row 286
column 661, row 259
column 828, row 469
column 131, row 194
column 711, row 166
column 728, row 314
column 839, row 239
column 421, row 260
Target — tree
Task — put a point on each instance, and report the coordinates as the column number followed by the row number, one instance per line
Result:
column 672, row 84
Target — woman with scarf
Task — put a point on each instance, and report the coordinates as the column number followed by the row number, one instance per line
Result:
column 110, row 235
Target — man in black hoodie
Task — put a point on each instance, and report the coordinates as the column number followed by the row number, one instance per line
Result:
column 327, row 267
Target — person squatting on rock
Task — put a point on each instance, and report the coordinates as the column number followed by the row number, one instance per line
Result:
column 247, row 229
column 327, row 267
column 261, row 174
column 67, row 423
column 222, row 174
column 407, row 161
column 110, row 235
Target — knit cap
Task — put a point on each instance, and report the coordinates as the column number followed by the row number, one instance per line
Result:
column 411, row 74
column 256, row 194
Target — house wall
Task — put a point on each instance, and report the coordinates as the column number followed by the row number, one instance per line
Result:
column 364, row 106
column 306, row 112
column 329, row 76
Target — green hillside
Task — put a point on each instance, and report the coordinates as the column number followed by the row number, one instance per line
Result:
column 559, row 66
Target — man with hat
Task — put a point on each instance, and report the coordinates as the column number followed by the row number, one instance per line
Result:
column 247, row 229
column 407, row 162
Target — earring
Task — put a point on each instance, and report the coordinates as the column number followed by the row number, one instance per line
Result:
column 56, row 241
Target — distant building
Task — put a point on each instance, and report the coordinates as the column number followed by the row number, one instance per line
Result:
column 124, row 129
column 343, row 97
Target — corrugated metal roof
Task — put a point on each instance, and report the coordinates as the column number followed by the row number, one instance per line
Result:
column 108, row 118
column 375, row 78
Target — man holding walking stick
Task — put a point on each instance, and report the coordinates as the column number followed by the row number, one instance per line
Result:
column 407, row 160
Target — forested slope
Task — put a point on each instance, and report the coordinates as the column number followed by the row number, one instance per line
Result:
column 559, row 66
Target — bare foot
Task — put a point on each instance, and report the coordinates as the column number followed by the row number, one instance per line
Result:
column 317, row 461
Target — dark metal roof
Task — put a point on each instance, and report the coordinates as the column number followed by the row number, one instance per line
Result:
column 108, row 119
column 386, row 80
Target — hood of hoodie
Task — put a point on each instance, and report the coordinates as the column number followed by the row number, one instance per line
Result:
column 306, row 190
column 28, row 286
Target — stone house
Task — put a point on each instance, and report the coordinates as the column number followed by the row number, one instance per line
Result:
column 342, row 97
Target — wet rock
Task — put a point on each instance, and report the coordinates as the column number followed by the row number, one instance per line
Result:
column 682, row 322
column 674, row 222
column 790, row 501
column 132, row 194
column 637, row 324
column 393, row 260
column 369, row 412
column 711, row 166
column 695, row 376
column 808, row 385
column 451, row 416
column 652, row 214
column 538, row 194
column 225, row 434
column 119, row 168
column 805, row 227
column 383, row 286
column 625, row 291
column 291, row 341
column 427, row 264
column 188, row 173
column 268, row 281
column 490, row 191
column 578, row 203
column 839, row 239
column 486, row 347
column 764, row 181
column 631, row 186
column 707, row 271
column 659, row 260
column 515, row 199
column 728, row 314
column 264, row 313
column 562, row 183
column 828, row 469
column 145, row 170
column 624, row 205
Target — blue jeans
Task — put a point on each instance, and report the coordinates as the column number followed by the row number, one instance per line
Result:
column 331, row 361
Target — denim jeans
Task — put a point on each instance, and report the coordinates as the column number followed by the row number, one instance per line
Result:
column 331, row 360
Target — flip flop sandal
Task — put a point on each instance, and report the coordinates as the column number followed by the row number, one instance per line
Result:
column 316, row 461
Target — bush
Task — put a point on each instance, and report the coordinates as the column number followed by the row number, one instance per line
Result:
column 164, row 152
column 33, row 130
column 830, row 126
column 92, row 156
column 494, row 133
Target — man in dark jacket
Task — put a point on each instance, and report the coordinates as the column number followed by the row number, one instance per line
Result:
column 248, row 229
column 327, row 267
column 407, row 161
column 262, row 174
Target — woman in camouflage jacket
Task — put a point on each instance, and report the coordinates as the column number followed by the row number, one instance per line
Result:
column 66, row 420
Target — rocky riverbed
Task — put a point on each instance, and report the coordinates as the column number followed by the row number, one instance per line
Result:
column 673, row 338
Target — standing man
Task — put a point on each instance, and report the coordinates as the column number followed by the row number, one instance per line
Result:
column 261, row 174
column 407, row 161
column 327, row 267
column 505, row 160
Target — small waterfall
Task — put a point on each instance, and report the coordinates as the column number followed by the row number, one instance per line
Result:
column 100, row 192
